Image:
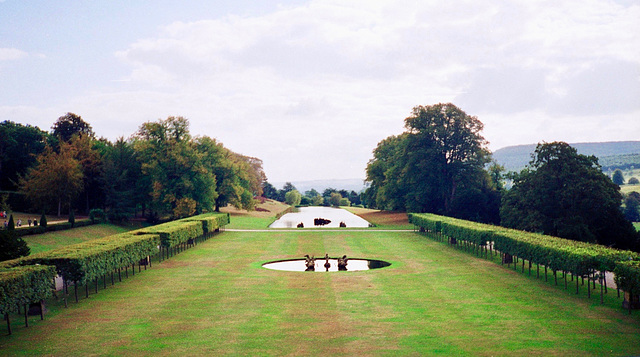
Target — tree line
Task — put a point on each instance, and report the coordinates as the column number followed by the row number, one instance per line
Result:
column 290, row 195
column 159, row 171
column 441, row 165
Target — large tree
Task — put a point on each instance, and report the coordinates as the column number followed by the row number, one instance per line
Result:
column 69, row 125
column 180, row 183
column 55, row 179
column 565, row 194
column 436, row 166
column 19, row 147
column 122, row 179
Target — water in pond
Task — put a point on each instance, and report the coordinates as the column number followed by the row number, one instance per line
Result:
column 307, row 215
column 352, row 265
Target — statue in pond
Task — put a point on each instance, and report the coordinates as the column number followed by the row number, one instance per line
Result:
column 320, row 221
column 327, row 265
column 310, row 263
column 300, row 225
column 342, row 263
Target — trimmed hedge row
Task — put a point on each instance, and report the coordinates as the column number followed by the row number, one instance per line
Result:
column 23, row 285
column 85, row 262
column 579, row 258
column 181, row 231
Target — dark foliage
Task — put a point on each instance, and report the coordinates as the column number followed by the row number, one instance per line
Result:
column 565, row 194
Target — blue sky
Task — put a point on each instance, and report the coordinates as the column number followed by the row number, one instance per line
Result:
column 311, row 87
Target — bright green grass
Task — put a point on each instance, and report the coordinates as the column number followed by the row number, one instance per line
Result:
column 637, row 225
column 248, row 222
column 52, row 240
column 216, row 299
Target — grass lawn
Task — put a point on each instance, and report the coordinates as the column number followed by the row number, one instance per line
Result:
column 259, row 219
column 637, row 225
column 629, row 188
column 216, row 299
column 52, row 240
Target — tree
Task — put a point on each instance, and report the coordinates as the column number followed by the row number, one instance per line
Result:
column 633, row 181
column 69, row 125
column 293, row 198
column 631, row 206
column 12, row 246
column 175, row 165
column 72, row 218
column 124, row 185
column 312, row 193
column 335, row 199
column 269, row 191
column 565, row 194
column 618, row 177
column 86, row 152
column 288, row 186
column 56, row 179
column 43, row 220
column 317, row 200
column 436, row 166
column 19, row 147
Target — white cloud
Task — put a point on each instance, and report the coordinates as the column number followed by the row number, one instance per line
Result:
column 311, row 89
column 12, row 54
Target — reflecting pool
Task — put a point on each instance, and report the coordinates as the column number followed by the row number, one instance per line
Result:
column 308, row 216
column 300, row 265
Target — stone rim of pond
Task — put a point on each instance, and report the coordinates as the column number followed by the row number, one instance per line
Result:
column 298, row 265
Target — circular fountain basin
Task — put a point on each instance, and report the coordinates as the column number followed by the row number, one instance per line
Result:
column 352, row 265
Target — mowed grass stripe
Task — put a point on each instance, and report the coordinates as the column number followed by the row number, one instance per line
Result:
column 434, row 300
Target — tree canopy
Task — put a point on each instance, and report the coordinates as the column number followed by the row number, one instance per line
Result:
column 69, row 125
column 436, row 166
column 19, row 146
column 565, row 194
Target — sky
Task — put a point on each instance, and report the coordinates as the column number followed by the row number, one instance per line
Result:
column 311, row 87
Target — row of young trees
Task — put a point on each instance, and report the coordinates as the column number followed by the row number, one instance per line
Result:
column 441, row 165
column 160, row 170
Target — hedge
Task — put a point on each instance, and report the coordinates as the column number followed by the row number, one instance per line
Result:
column 579, row 258
column 85, row 262
column 24, row 285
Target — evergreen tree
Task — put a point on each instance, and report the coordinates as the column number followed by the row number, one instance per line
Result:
column 12, row 246
column 43, row 221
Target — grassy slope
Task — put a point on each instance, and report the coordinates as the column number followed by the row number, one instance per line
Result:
column 434, row 300
column 52, row 240
column 241, row 219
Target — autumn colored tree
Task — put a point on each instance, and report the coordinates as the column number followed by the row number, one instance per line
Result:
column 56, row 179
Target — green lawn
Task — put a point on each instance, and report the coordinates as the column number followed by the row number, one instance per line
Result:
column 216, row 299
column 637, row 225
column 52, row 240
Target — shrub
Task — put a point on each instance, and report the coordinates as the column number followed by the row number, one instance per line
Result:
column 43, row 221
column 633, row 181
column 97, row 214
column 72, row 218
column 12, row 246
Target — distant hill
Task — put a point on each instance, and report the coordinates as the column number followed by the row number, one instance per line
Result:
column 321, row 185
column 611, row 155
